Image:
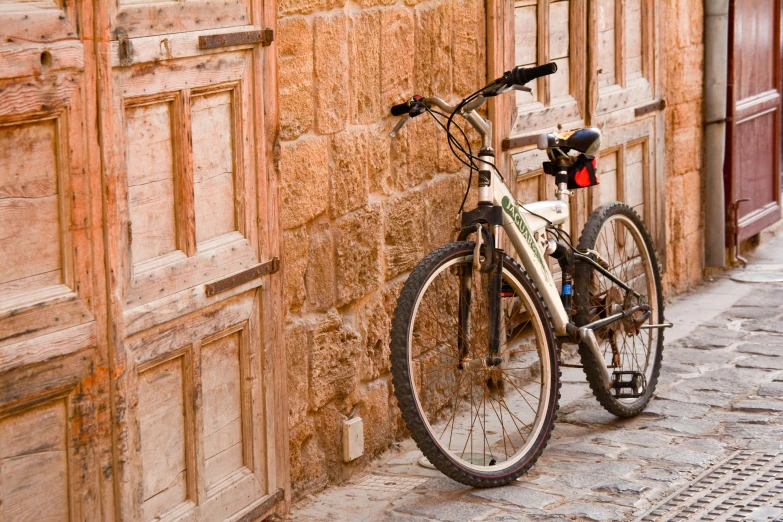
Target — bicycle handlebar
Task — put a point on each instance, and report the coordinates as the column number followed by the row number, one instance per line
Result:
column 400, row 109
column 523, row 75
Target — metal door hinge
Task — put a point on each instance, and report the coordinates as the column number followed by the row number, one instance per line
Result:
column 519, row 141
column 240, row 278
column 125, row 49
column 215, row 41
column 657, row 105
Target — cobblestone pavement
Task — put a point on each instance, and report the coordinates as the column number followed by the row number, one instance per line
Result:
column 720, row 392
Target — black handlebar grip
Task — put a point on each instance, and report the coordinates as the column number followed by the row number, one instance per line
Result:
column 400, row 109
column 523, row 75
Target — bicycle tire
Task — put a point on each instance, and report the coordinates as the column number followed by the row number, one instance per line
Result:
column 585, row 301
column 403, row 368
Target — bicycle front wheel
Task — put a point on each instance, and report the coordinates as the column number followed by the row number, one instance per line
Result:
column 482, row 425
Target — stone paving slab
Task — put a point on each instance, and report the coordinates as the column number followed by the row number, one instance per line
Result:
column 720, row 391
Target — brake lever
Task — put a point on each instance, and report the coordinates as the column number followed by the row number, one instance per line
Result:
column 400, row 125
column 523, row 88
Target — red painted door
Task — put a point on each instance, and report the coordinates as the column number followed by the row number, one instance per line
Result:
column 752, row 167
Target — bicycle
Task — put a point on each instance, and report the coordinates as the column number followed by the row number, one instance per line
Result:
column 476, row 337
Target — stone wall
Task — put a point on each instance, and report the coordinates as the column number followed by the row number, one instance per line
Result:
column 360, row 208
column 682, row 66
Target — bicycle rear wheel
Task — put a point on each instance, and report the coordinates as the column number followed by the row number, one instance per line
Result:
column 481, row 425
column 632, row 353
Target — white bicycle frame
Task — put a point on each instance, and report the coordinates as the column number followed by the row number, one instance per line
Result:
column 523, row 225
column 526, row 233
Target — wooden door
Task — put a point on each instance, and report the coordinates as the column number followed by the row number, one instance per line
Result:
column 625, row 101
column 752, row 166
column 191, row 237
column 52, row 343
column 607, row 77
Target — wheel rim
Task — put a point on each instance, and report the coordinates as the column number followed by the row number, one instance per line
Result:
column 483, row 419
column 620, row 242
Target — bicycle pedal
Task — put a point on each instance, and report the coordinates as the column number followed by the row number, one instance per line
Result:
column 628, row 385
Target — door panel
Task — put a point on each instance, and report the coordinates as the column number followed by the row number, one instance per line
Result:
column 51, row 366
column 144, row 17
column 752, row 167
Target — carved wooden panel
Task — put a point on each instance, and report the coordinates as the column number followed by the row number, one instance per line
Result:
column 550, row 31
column 190, row 206
column 200, row 413
column 611, row 178
column 624, row 58
column 162, row 435
column 150, row 17
column 221, row 380
column 635, row 175
column 151, row 198
column 34, row 464
column 30, row 216
column 214, row 161
column 38, row 20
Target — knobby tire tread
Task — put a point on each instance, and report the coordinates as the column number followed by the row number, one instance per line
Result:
column 401, row 381
column 582, row 290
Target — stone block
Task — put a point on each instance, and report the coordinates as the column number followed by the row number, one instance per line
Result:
column 348, row 172
column 328, row 425
column 304, row 170
column 320, row 275
column 687, row 149
column 397, row 56
column 373, row 3
column 432, row 41
column 378, row 160
column 358, row 253
column 405, row 232
column 684, row 76
column 447, row 161
column 288, row 7
column 295, row 261
column 443, row 197
column 295, row 70
column 373, row 322
column 308, row 469
column 333, row 361
column 366, row 67
column 423, row 135
column 331, row 73
column 399, row 153
column 517, row 496
column 297, row 350
column 467, row 17
column 374, row 409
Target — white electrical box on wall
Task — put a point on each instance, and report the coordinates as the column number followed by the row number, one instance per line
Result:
column 353, row 439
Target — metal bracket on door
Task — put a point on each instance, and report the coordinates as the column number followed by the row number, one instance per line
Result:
column 657, row 105
column 216, row 41
column 737, row 255
column 270, row 267
column 125, row 49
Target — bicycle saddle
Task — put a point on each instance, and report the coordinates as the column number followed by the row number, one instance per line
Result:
column 587, row 141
